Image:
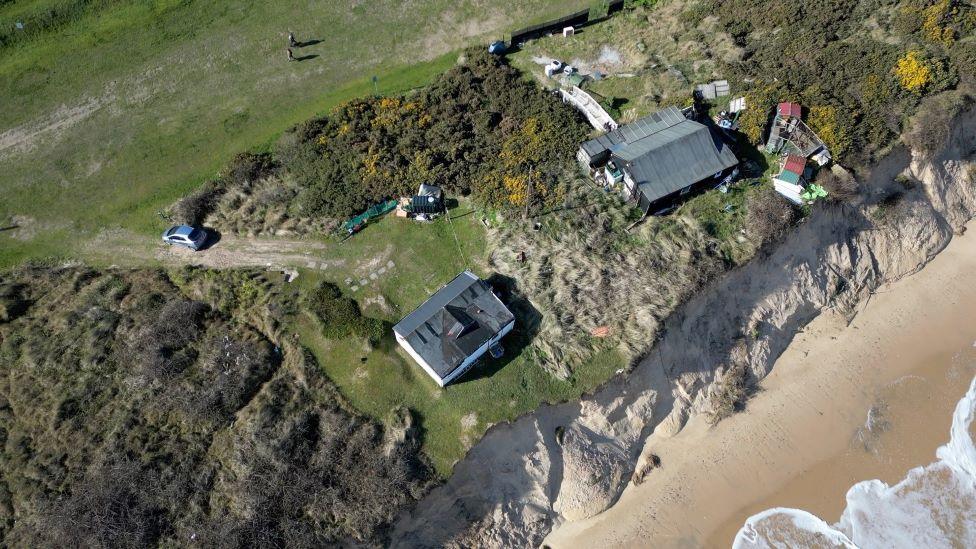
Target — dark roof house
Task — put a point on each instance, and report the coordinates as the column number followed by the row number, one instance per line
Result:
column 660, row 155
column 447, row 333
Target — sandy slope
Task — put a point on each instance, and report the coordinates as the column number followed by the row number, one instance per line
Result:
column 523, row 479
column 793, row 446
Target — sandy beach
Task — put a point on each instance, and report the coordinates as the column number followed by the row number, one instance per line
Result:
column 806, row 437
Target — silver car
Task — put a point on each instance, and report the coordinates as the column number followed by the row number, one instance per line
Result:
column 185, row 235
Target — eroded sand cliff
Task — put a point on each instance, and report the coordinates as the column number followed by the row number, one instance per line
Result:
column 519, row 481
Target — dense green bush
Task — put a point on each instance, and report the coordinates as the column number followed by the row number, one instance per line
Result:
column 479, row 129
column 963, row 58
column 245, row 168
column 340, row 316
column 823, row 55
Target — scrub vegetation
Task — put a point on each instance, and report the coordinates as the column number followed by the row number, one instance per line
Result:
column 649, row 57
column 209, row 407
column 478, row 129
column 859, row 66
column 599, row 278
column 145, row 408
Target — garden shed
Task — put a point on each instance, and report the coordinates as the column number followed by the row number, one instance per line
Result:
column 791, row 181
column 428, row 200
column 790, row 135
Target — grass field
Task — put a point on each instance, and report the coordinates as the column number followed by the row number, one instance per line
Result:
column 650, row 58
column 111, row 110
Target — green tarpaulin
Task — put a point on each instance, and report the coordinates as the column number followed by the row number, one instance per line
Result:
column 375, row 211
column 814, row 192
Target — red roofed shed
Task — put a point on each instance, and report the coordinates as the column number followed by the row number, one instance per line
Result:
column 792, row 110
column 795, row 164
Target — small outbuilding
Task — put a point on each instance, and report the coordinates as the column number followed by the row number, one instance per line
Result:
column 789, row 135
column 428, row 200
column 427, row 203
column 450, row 331
column 791, row 180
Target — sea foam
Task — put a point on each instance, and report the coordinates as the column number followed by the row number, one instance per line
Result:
column 934, row 506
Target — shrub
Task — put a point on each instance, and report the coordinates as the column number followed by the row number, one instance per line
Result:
column 340, row 316
column 819, row 54
column 934, row 27
column 963, row 57
column 12, row 302
column 761, row 100
column 913, row 72
column 246, row 168
column 888, row 207
column 840, row 187
column 932, row 125
column 473, row 126
column 243, row 170
column 244, row 445
column 194, row 208
column 834, row 126
column 730, row 393
column 163, row 346
column 768, row 215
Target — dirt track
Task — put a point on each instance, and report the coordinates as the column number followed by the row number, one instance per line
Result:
column 125, row 249
column 232, row 251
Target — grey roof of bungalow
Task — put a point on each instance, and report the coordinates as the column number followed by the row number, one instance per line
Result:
column 675, row 158
column 634, row 131
column 454, row 322
column 666, row 152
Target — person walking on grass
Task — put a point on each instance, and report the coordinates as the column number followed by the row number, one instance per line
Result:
column 291, row 56
column 291, row 40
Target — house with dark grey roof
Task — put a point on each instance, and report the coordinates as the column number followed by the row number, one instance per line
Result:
column 658, row 157
column 452, row 329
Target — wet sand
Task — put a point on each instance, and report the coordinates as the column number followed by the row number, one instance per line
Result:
column 909, row 354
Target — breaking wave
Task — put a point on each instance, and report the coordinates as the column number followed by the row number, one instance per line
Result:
column 934, row 506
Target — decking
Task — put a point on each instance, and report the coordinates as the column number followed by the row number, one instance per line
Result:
column 599, row 118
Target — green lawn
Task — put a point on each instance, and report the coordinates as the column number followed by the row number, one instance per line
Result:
column 410, row 259
column 453, row 418
column 120, row 107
